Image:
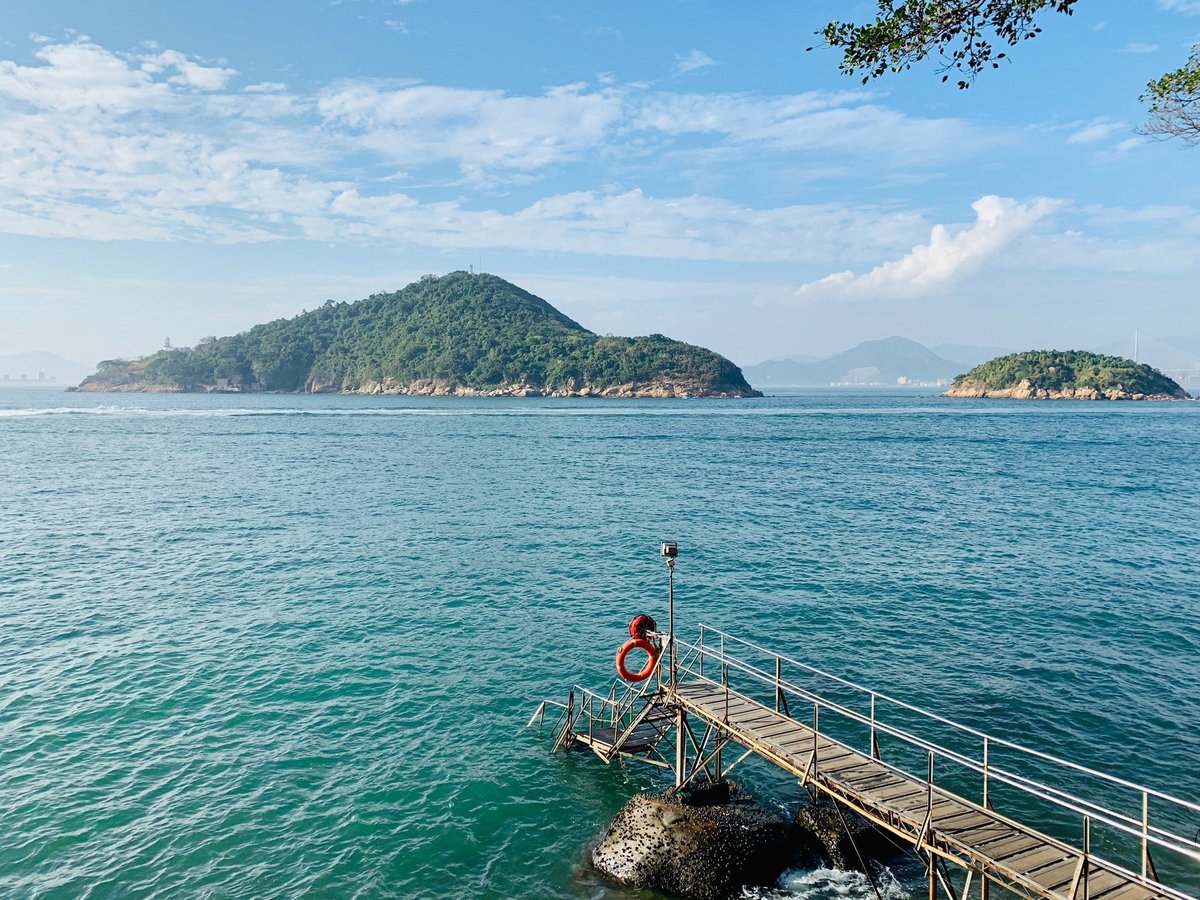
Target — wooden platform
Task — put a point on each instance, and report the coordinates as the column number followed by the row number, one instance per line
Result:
column 642, row 738
column 925, row 818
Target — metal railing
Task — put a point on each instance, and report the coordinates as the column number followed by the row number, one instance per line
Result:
column 586, row 711
column 715, row 646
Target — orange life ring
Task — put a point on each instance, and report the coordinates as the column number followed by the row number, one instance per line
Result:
column 628, row 647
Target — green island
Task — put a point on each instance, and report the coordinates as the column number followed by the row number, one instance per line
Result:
column 458, row 334
column 1065, row 375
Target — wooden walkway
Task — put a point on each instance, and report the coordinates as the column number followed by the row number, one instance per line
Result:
column 925, row 817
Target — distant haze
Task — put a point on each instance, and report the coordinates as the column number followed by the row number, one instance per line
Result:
column 40, row 368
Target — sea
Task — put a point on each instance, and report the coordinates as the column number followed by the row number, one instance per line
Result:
column 287, row 646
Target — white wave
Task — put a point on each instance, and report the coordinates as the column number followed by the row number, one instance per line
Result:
column 836, row 884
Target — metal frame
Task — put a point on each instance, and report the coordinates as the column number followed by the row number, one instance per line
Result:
column 1138, row 826
column 627, row 705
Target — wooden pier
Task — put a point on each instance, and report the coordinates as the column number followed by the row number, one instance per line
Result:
column 723, row 695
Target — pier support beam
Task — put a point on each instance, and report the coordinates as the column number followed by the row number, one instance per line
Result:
column 680, row 747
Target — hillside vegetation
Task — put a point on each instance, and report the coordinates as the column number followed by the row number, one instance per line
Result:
column 1065, row 374
column 460, row 333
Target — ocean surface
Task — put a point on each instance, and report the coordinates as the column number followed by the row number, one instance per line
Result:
column 285, row 646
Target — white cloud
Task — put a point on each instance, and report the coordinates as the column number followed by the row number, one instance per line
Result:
column 479, row 129
column 156, row 146
column 692, row 60
column 396, row 25
column 1096, row 130
column 1188, row 7
column 266, row 87
column 1136, row 47
column 191, row 74
column 810, row 122
column 947, row 258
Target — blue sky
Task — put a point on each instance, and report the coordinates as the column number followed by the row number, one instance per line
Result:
column 180, row 170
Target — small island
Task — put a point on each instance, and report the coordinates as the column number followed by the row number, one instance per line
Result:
column 462, row 334
column 1065, row 375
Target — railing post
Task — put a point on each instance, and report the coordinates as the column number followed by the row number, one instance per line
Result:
column 816, row 734
column 874, row 738
column 680, row 747
column 1087, row 851
column 778, row 683
column 929, row 801
column 986, row 802
column 1145, row 833
column 702, row 650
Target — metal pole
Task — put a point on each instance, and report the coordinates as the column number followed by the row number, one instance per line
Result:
column 671, row 618
column 680, row 746
column 1087, row 850
column 985, row 774
column 778, row 683
column 702, row 650
column 1145, row 833
column 874, row 740
column 816, row 732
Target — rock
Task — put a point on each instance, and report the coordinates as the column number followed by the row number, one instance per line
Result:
column 818, row 829
column 701, row 843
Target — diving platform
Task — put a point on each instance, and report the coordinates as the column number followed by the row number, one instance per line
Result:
column 981, row 811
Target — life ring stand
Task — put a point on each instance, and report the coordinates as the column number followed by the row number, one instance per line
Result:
column 628, row 647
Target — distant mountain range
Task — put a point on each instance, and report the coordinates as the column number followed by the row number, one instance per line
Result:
column 40, row 367
column 891, row 361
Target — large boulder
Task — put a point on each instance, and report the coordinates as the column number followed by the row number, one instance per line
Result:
column 832, row 838
column 702, row 843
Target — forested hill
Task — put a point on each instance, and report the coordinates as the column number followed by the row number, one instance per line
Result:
column 1065, row 375
column 458, row 334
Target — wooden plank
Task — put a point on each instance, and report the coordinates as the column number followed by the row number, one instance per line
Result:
column 963, row 822
column 777, row 730
column 877, row 779
column 939, row 801
column 1129, row 891
column 1057, row 877
column 1037, row 858
column 841, row 767
column 1101, row 883
column 1000, row 849
column 971, row 837
column 895, row 792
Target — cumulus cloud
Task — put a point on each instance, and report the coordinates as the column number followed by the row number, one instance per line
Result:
column 947, row 258
column 692, row 60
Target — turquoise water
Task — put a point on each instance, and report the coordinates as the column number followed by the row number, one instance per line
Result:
column 279, row 646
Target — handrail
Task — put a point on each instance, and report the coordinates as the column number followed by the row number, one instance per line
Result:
column 1139, row 828
column 966, row 729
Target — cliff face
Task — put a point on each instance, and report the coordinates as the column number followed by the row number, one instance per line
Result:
column 1065, row 375
column 458, row 335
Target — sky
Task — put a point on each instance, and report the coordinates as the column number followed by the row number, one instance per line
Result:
column 173, row 171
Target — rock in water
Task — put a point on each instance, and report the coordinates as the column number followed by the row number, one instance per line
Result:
column 701, row 843
column 820, row 830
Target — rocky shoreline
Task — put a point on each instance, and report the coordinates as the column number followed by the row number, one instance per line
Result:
column 1027, row 391
column 663, row 390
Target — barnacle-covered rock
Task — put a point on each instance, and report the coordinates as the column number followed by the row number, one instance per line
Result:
column 704, row 843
